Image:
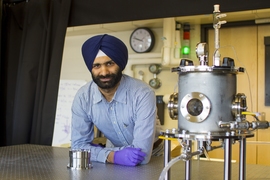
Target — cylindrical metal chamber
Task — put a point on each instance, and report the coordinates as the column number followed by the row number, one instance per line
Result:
column 79, row 159
column 205, row 98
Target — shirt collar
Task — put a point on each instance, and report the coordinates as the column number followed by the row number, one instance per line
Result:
column 119, row 96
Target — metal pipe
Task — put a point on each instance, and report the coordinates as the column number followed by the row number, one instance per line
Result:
column 188, row 162
column 227, row 159
column 216, row 57
column 167, row 156
column 242, row 159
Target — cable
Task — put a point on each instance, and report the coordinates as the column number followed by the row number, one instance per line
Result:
column 166, row 138
column 254, row 114
column 249, row 84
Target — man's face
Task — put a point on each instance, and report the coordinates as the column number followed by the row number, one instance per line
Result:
column 106, row 73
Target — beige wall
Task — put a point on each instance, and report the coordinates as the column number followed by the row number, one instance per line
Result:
column 73, row 67
column 246, row 46
column 263, row 150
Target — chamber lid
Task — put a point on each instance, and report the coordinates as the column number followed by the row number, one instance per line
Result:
column 214, row 69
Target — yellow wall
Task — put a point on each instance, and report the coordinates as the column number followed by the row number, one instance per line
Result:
column 263, row 150
column 246, row 46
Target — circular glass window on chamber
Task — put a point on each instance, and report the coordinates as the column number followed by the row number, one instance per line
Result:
column 195, row 107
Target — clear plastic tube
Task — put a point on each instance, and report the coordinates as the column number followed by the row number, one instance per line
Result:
column 168, row 166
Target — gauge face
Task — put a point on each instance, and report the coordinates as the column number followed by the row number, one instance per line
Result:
column 155, row 68
column 142, row 40
column 155, row 83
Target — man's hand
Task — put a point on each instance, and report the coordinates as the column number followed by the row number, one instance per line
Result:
column 129, row 156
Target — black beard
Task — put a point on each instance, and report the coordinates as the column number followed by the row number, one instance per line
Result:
column 115, row 78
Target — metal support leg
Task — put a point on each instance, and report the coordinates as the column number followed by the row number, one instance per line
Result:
column 227, row 159
column 242, row 159
column 167, row 156
column 188, row 163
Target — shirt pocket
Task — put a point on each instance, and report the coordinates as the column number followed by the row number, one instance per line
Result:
column 126, row 122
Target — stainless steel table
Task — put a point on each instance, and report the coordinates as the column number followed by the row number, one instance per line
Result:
column 35, row 162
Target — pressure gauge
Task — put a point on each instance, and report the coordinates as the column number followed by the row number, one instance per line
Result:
column 155, row 83
column 202, row 53
column 155, row 68
column 201, row 49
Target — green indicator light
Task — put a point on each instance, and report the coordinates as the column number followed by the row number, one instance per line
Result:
column 186, row 50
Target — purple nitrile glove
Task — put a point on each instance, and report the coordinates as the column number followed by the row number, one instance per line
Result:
column 129, row 156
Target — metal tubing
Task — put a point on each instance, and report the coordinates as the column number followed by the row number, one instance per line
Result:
column 188, row 162
column 227, row 159
column 167, row 156
column 242, row 159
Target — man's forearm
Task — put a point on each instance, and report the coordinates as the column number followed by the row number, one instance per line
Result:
column 110, row 157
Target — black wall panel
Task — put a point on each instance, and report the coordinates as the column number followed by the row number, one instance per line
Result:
column 85, row 12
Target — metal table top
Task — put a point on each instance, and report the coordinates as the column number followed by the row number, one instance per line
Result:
column 32, row 162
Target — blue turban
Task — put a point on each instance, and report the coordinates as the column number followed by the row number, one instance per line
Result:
column 110, row 45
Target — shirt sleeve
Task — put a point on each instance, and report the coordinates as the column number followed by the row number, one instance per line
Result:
column 145, row 123
column 82, row 131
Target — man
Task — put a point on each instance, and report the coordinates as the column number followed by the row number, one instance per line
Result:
column 121, row 107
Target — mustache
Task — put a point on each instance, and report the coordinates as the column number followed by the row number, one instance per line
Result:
column 106, row 76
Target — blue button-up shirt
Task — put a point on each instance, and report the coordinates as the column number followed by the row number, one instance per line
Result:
column 129, row 120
